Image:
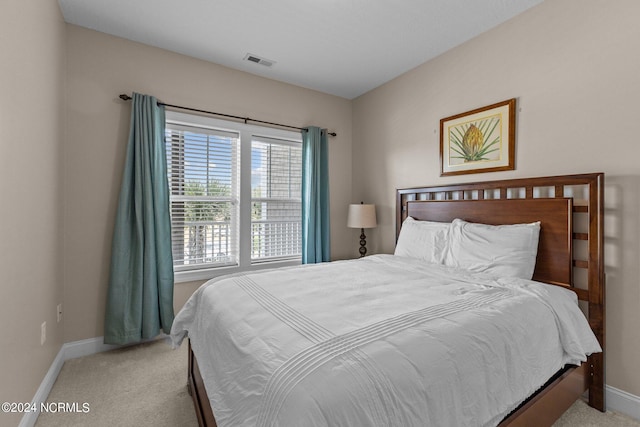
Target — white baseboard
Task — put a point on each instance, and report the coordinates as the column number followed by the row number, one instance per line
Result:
column 70, row 350
column 86, row 347
column 29, row 418
column 622, row 402
column 617, row 400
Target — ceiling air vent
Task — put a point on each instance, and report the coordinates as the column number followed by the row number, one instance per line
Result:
column 258, row 60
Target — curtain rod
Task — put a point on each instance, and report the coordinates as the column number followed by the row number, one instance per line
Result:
column 125, row 97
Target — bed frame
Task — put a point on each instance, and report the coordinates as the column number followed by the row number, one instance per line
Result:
column 570, row 254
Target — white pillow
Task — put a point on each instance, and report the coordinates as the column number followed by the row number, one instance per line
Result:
column 500, row 250
column 425, row 240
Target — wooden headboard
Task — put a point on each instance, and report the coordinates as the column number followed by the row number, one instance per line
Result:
column 570, row 253
column 554, row 260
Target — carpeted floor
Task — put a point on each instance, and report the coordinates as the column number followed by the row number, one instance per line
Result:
column 142, row 385
column 145, row 385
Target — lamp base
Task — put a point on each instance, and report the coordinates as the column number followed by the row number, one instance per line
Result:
column 363, row 243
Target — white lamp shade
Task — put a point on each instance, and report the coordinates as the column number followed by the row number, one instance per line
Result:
column 362, row 216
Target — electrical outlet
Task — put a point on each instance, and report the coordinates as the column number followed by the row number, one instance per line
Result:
column 59, row 312
column 43, row 333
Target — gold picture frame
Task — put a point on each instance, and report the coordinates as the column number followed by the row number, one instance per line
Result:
column 480, row 140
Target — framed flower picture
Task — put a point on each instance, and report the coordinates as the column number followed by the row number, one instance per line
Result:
column 481, row 140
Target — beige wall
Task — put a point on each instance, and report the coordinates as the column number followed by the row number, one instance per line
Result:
column 573, row 66
column 100, row 67
column 31, row 132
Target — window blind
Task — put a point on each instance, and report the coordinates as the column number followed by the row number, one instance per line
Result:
column 203, row 168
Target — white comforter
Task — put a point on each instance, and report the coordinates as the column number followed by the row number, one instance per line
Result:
column 380, row 341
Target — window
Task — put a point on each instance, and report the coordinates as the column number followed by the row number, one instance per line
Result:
column 235, row 196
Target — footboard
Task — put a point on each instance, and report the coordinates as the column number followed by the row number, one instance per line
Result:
column 546, row 406
column 198, row 393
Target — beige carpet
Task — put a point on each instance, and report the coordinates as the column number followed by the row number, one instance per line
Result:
column 145, row 385
column 142, row 385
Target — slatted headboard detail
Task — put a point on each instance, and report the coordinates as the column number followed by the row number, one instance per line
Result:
column 585, row 193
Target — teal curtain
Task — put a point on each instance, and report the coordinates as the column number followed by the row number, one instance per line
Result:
column 140, row 294
column 315, row 196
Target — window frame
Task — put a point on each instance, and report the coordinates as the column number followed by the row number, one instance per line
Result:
column 246, row 133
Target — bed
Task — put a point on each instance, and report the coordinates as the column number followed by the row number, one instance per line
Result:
column 371, row 341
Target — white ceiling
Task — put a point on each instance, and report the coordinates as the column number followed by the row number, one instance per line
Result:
column 341, row 47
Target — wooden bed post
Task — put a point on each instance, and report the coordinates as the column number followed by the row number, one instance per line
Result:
column 597, row 283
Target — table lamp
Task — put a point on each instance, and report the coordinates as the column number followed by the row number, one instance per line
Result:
column 362, row 216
